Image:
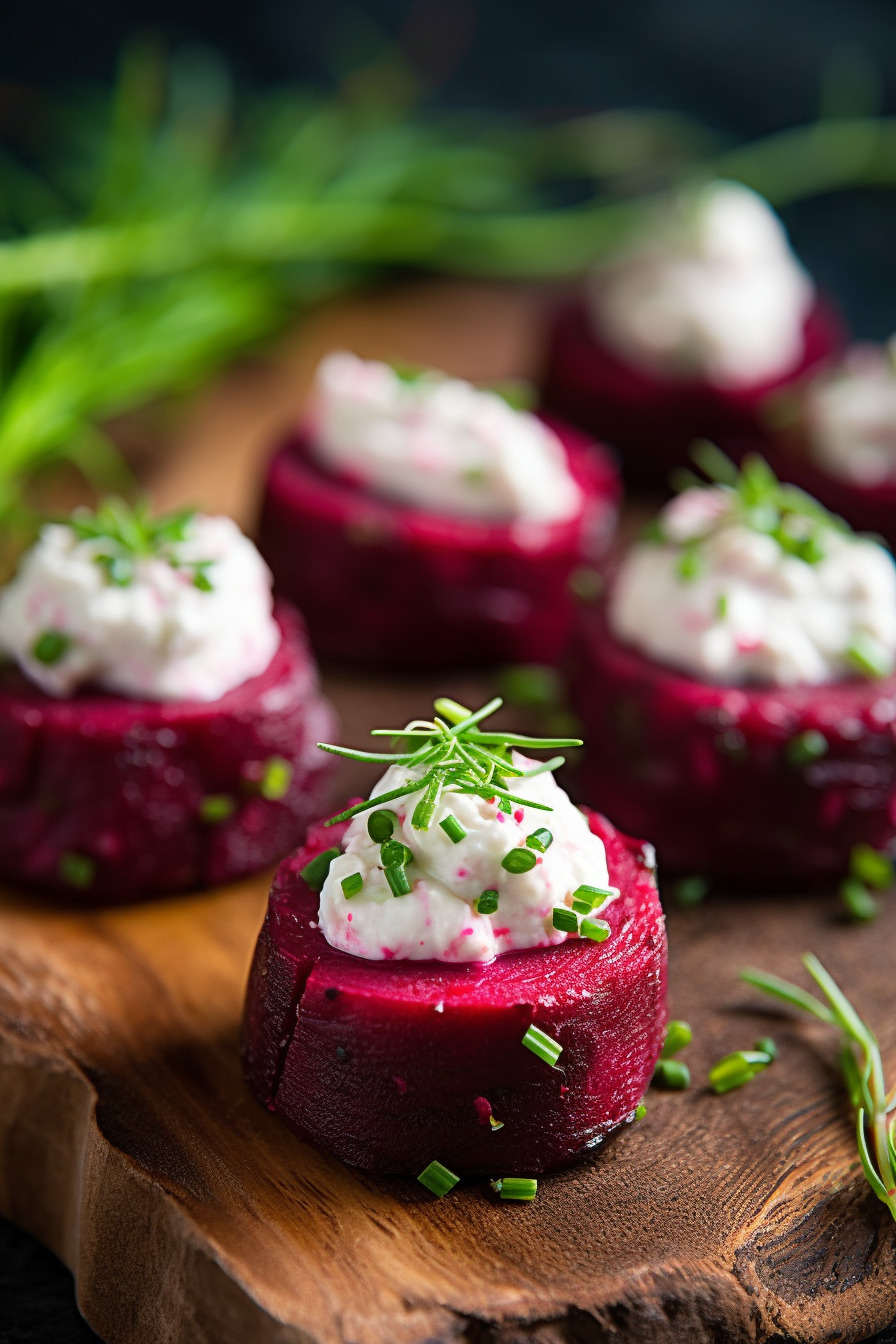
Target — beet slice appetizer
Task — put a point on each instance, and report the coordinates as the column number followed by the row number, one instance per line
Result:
column 110, row 797
column 746, row 719
column 835, row 435
column 363, row 547
column 503, row 1065
column 685, row 335
column 652, row 421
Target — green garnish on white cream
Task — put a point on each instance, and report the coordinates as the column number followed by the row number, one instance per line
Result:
column 170, row 607
column 438, row 443
column 454, row 860
column 746, row 580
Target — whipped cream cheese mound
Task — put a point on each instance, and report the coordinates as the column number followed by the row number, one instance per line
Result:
column 438, row 920
column 734, row 592
column 710, row 289
column 851, row 416
column 438, row 443
column 187, row 623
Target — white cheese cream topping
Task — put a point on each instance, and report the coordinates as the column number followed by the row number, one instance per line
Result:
column 438, row 920
column 157, row 630
column 710, row 289
column 719, row 596
column 438, row 443
column 851, row 416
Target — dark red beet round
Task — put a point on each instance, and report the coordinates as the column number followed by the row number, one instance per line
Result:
column 723, row 778
column 391, row 1064
column 102, row 797
column 390, row 586
column 652, row 420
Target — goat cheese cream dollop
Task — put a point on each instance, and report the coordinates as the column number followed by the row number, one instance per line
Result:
column 851, row 416
column 459, row 863
column 438, row 443
column 173, row 608
column 755, row 582
column 711, row 288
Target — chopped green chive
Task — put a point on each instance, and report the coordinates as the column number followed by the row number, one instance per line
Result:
column 314, row 874
column 736, row 1069
column 51, row 647
column 519, row 393
column 592, row 897
column 452, row 828
column 565, row 919
column 640, row 1111
column 540, row 839
column 217, row 807
column 201, row 580
column 690, row 891
column 77, row 870
column 869, row 656
column 515, row 1187
column 586, row 583
column 398, row 880
column 438, row 1179
column 672, row 1074
column 542, row 1045
column 531, row 686
column 678, row 1035
column 351, row 885
column 518, row 861
column 598, row 930
column 690, row 563
column 806, row 747
column 722, row 607
column 767, row 1046
column 276, row 779
column 396, row 854
column 872, row 866
column 380, row 825
column 858, row 901
column 495, row 1124
column 487, row 903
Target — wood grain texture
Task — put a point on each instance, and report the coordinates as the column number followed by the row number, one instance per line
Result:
column 130, row 1146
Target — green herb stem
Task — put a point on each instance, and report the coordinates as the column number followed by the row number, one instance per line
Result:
column 861, row 1066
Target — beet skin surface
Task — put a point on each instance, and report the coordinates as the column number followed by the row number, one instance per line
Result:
column 365, row 571
column 105, row 799
column 758, row 785
column 394, row 1064
column 651, row 420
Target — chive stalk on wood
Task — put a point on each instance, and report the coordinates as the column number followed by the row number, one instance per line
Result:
column 860, row 1064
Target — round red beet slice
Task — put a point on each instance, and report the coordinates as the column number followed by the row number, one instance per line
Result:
column 394, row 1064
column 386, row 585
column 106, row 799
column 751, row 784
column 652, row 420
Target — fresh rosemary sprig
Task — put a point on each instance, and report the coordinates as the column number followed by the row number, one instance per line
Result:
column 453, row 756
column 126, row 535
column 862, row 1069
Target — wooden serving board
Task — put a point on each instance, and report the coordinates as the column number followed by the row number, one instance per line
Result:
column 130, row 1145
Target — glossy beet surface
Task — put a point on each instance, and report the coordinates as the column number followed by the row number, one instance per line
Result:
column 651, row 420
column 392, row 1064
column 751, row 784
column 108, row 799
column 385, row 585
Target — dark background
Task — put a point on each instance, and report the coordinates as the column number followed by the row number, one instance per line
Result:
column 747, row 69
